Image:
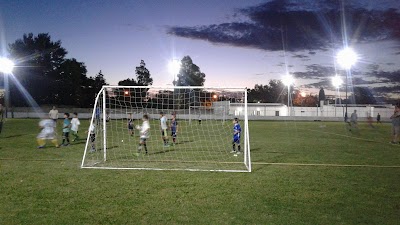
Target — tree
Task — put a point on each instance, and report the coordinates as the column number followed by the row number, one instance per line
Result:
column 99, row 81
column 127, row 82
column 70, row 83
column 276, row 90
column 143, row 77
column 190, row 74
column 363, row 95
column 39, row 60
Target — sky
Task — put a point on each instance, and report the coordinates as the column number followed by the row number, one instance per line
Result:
column 236, row 43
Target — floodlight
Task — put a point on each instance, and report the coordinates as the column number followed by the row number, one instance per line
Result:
column 346, row 58
column 174, row 66
column 215, row 96
column 287, row 80
column 6, row 65
column 303, row 94
column 337, row 81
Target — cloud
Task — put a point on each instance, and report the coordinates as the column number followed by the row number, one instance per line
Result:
column 301, row 25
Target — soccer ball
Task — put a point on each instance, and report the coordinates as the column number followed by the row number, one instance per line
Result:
column 138, row 127
column 122, row 140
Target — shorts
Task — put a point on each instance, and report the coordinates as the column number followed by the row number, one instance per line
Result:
column 130, row 127
column 66, row 134
column 173, row 134
column 46, row 135
column 236, row 139
column 164, row 133
column 92, row 137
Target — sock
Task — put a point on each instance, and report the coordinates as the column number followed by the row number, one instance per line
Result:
column 55, row 142
column 145, row 148
column 41, row 142
column 238, row 147
column 233, row 146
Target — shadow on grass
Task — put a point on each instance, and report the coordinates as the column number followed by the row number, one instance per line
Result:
column 16, row 135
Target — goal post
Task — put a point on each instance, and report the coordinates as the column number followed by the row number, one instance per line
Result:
column 116, row 139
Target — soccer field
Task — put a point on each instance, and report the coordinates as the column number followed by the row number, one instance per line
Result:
column 303, row 173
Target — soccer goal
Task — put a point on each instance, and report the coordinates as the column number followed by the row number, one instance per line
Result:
column 200, row 139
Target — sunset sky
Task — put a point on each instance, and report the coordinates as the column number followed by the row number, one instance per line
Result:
column 234, row 42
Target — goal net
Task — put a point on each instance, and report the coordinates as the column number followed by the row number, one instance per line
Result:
column 201, row 139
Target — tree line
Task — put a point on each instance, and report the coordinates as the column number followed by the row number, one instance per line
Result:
column 52, row 79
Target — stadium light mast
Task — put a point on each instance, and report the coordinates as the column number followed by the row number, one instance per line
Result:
column 288, row 80
column 346, row 58
column 337, row 82
column 6, row 67
column 174, row 66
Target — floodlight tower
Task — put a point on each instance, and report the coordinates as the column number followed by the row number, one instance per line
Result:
column 337, row 82
column 288, row 80
column 346, row 58
column 174, row 66
column 6, row 67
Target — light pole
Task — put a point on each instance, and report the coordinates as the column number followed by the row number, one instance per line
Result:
column 288, row 80
column 174, row 66
column 346, row 58
column 336, row 82
column 6, row 67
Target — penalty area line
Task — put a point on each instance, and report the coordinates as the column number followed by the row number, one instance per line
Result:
column 322, row 165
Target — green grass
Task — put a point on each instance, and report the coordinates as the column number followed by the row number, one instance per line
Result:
column 302, row 174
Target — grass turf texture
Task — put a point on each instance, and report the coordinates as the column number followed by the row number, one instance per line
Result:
column 46, row 186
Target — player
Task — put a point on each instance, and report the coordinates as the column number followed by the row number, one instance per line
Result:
column 395, row 125
column 53, row 114
column 164, row 128
column 236, row 136
column 144, row 133
column 75, row 126
column 174, row 128
column 353, row 120
column 199, row 119
column 130, row 124
column 47, row 133
column 66, row 129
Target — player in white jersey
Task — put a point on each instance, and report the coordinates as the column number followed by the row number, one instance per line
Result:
column 75, row 126
column 47, row 133
column 164, row 128
column 144, row 133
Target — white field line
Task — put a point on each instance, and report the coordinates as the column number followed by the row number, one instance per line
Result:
column 323, row 165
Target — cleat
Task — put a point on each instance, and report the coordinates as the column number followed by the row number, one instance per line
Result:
column 233, row 151
column 40, row 147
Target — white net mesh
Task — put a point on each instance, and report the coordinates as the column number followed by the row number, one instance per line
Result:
column 203, row 137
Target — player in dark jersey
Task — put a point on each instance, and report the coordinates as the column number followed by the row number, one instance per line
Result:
column 174, row 128
column 236, row 136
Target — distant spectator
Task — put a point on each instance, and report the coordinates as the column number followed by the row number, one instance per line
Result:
column 353, row 120
column 378, row 118
column 1, row 112
column 370, row 121
column 53, row 114
column 1, row 117
column 395, row 125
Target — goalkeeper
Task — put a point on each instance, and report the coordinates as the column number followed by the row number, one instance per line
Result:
column 144, row 133
column 236, row 136
column 174, row 128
